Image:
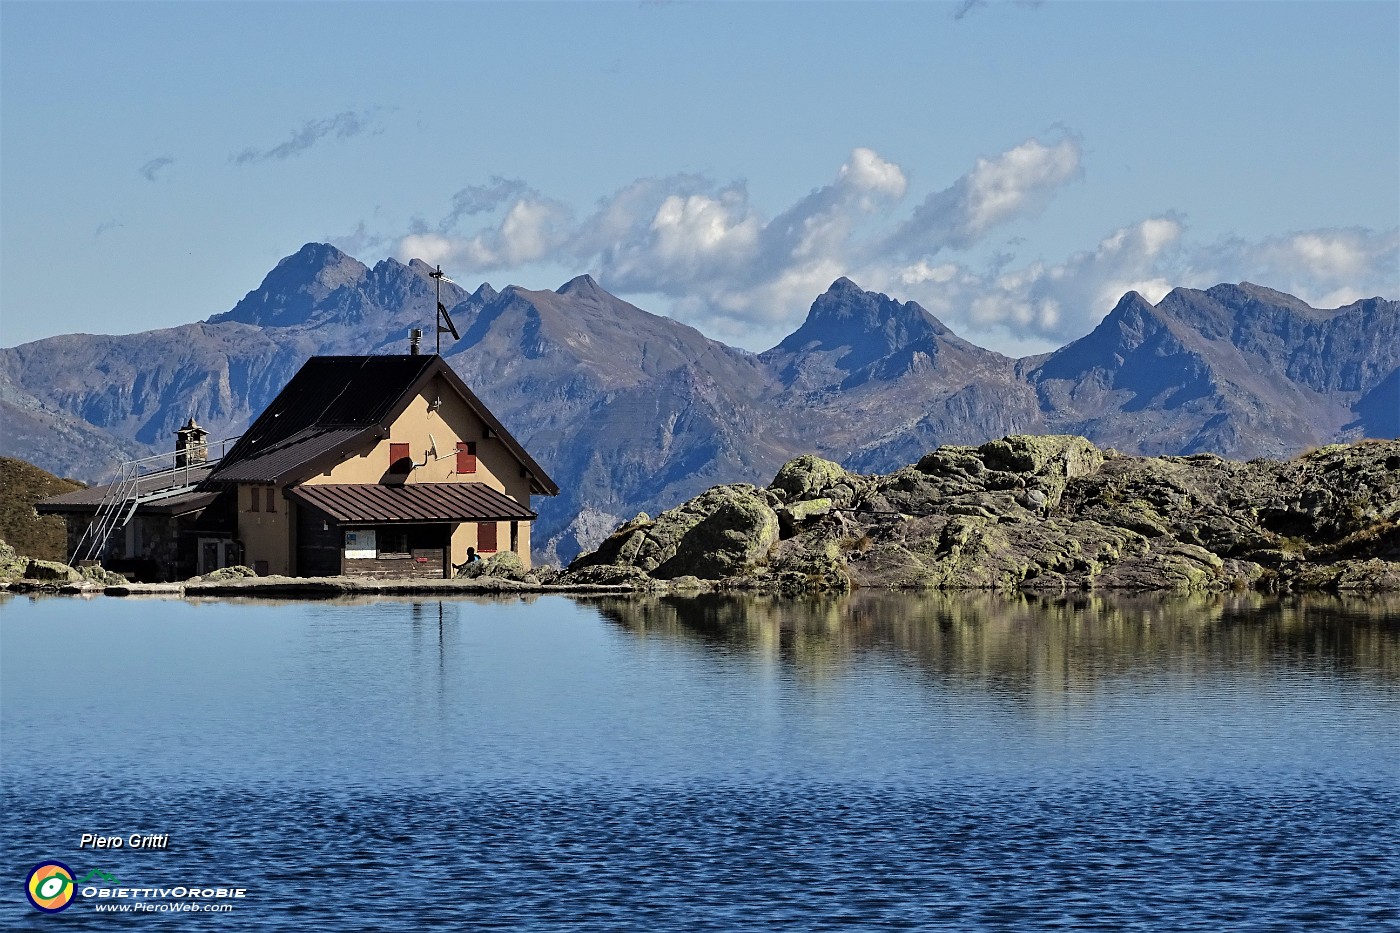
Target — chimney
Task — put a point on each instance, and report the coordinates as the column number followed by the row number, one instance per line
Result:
column 190, row 445
column 415, row 337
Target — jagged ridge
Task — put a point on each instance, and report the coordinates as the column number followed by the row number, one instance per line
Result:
column 636, row 411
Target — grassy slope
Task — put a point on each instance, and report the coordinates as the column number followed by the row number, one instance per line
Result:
column 21, row 485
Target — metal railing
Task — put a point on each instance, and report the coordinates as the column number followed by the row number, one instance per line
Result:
column 144, row 480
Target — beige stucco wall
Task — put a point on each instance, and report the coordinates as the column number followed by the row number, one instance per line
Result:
column 465, row 536
column 419, row 426
column 265, row 535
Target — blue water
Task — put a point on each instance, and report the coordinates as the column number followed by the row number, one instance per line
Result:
column 878, row 762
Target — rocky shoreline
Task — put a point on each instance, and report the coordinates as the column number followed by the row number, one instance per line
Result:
column 1032, row 513
column 1042, row 514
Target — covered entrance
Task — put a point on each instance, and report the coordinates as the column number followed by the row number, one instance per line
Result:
column 397, row 531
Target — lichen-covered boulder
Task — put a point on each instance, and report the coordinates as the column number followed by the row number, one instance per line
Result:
column 793, row 516
column 504, row 565
column 724, row 531
column 610, row 575
column 99, row 574
column 236, row 572
column 734, row 532
column 1063, row 455
column 12, row 564
column 621, row 547
column 810, row 477
column 50, row 570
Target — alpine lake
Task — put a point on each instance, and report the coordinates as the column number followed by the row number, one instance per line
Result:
column 882, row 761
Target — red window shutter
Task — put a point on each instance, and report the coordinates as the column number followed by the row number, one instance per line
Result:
column 397, row 454
column 486, row 537
column 466, row 456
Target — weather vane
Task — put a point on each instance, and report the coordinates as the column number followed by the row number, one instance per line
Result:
column 443, row 318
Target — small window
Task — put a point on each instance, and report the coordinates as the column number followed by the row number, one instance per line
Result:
column 466, row 456
column 486, row 537
column 272, row 498
column 399, row 459
column 254, row 499
column 393, row 542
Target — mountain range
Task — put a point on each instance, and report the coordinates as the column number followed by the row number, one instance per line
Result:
column 633, row 411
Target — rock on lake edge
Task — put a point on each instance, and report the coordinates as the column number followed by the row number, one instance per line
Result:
column 1039, row 513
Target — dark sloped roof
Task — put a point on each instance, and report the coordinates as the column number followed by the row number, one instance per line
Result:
column 296, row 455
column 358, row 395
column 412, row 502
column 87, row 500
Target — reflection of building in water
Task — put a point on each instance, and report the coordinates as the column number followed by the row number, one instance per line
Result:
column 1034, row 649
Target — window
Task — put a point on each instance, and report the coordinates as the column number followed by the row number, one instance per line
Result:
column 399, row 459
column 466, row 456
column 393, row 542
column 486, row 537
column 254, row 499
column 272, row 498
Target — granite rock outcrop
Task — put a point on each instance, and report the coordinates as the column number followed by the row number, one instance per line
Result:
column 1040, row 513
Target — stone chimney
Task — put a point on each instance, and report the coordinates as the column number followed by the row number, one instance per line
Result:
column 190, row 445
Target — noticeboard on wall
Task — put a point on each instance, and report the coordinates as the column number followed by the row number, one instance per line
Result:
column 360, row 543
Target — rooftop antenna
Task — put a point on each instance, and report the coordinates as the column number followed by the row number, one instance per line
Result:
column 442, row 316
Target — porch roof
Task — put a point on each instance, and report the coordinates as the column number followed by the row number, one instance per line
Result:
column 411, row 502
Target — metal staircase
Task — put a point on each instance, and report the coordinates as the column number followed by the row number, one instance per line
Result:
column 138, row 482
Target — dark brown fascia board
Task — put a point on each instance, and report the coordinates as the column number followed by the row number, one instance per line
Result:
column 63, row 508
column 540, row 482
column 91, row 509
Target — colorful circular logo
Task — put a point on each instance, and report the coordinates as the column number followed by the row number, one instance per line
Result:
column 50, row 887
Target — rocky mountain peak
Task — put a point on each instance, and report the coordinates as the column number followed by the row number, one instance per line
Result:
column 1247, row 293
column 638, row 411
column 296, row 287
column 582, row 286
column 847, row 316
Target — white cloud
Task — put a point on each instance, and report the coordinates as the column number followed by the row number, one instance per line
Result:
column 706, row 252
column 1326, row 268
column 533, row 228
column 690, row 232
column 866, row 171
column 1018, row 182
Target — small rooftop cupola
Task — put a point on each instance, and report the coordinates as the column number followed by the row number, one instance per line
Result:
column 191, row 444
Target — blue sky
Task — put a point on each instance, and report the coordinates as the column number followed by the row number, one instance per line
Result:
column 1012, row 166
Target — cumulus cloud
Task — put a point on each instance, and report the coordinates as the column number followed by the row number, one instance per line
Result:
column 153, row 167
column 703, row 251
column 1053, row 302
column 1043, row 305
column 533, row 228
column 1020, row 181
column 1326, row 268
column 342, row 125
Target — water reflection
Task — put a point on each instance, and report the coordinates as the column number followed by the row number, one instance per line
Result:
column 1027, row 645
